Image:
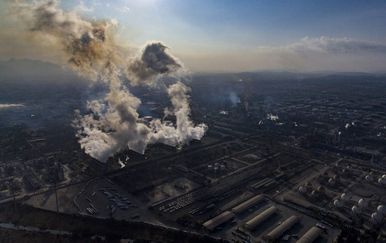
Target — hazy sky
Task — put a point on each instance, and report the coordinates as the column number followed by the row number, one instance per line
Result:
column 230, row 35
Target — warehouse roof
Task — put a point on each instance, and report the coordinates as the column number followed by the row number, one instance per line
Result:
column 211, row 224
column 310, row 236
column 247, row 204
column 258, row 219
column 283, row 227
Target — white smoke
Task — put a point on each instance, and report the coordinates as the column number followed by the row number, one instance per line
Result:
column 113, row 123
column 184, row 131
column 234, row 98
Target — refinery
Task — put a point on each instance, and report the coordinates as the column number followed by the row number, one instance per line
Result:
column 164, row 121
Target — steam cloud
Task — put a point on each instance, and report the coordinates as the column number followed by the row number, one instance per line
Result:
column 114, row 123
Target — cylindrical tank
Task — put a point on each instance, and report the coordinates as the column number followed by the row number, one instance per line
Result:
column 320, row 189
column 355, row 210
column 382, row 180
column 344, row 197
column 302, row 189
column 376, row 218
column 381, row 209
column 337, row 203
column 362, row 203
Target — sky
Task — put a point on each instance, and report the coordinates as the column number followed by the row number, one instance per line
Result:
column 243, row 35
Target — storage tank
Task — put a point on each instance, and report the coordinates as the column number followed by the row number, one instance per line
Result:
column 320, row 189
column 355, row 210
column 302, row 189
column 381, row 209
column 382, row 180
column 338, row 203
column 376, row 218
column 344, row 197
column 362, row 203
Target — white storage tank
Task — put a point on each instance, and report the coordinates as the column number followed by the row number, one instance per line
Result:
column 381, row 209
column 344, row 197
column 302, row 189
column 362, row 203
column 376, row 218
column 355, row 210
column 338, row 203
column 382, row 180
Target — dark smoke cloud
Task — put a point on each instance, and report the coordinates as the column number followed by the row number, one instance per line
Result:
column 153, row 61
column 88, row 45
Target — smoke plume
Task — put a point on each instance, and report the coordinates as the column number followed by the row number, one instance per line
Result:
column 113, row 122
column 153, row 62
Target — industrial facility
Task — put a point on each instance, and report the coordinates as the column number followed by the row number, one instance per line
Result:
column 275, row 166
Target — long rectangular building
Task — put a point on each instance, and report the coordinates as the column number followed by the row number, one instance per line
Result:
column 220, row 219
column 247, row 204
column 258, row 219
column 283, row 227
column 310, row 236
